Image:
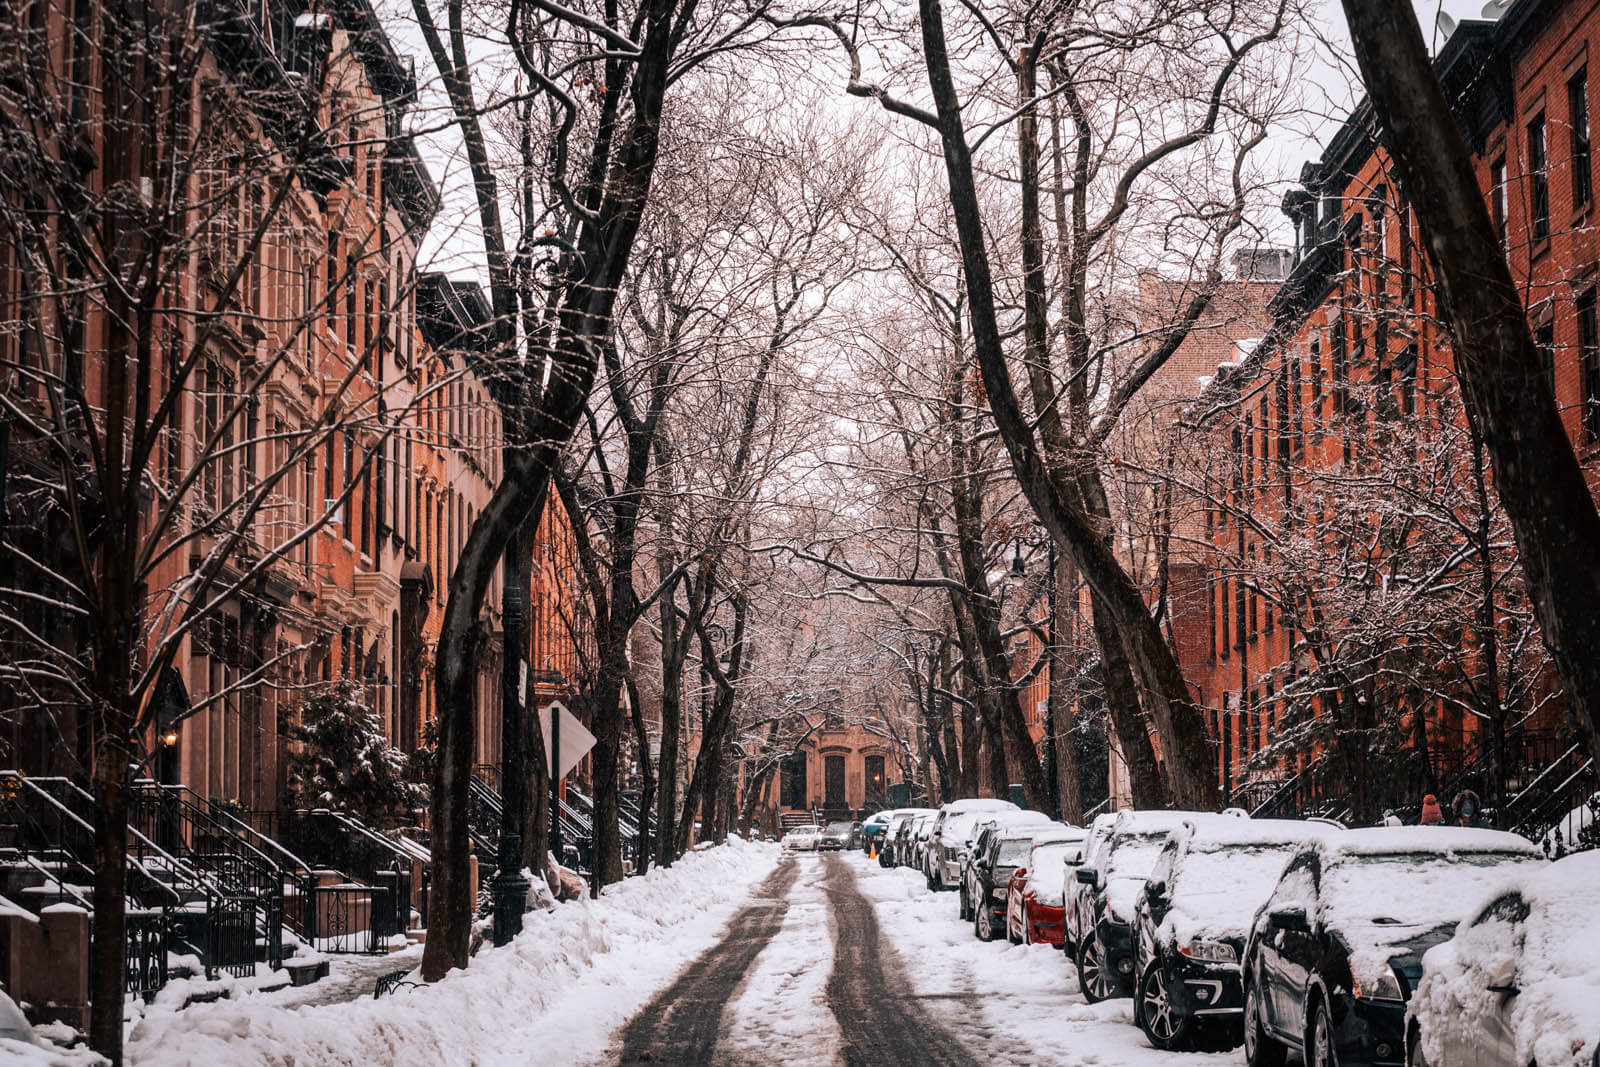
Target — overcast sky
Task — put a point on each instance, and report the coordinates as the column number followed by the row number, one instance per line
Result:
column 452, row 245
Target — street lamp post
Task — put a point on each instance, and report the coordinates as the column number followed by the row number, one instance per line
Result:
column 510, row 889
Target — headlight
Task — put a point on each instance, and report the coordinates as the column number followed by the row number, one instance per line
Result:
column 1387, row 987
column 1210, row 951
column 998, row 893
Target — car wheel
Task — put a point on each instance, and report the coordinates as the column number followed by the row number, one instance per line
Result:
column 1260, row 1050
column 933, row 887
column 1415, row 1057
column 964, row 911
column 1094, row 981
column 983, row 925
column 1157, row 1018
column 1322, row 1051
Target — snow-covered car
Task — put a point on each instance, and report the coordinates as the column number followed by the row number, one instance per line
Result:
column 1037, row 891
column 1520, row 983
column 835, row 837
column 1192, row 919
column 1108, row 887
column 802, row 838
column 921, row 837
column 950, row 831
column 874, row 828
column 1336, row 950
column 898, row 840
column 1004, row 850
column 982, row 832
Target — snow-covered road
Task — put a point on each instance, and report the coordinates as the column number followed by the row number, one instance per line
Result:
column 839, row 961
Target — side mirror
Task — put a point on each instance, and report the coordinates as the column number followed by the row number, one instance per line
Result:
column 1156, row 890
column 1087, row 876
column 1291, row 918
column 1503, row 977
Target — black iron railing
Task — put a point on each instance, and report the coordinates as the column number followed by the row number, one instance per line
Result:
column 148, row 934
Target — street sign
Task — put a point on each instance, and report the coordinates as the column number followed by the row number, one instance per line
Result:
column 575, row 740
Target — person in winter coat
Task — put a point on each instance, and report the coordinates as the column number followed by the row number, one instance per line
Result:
column 1432, row 815
column 1467, row 809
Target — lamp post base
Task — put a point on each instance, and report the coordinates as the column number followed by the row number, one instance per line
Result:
column 510, row 894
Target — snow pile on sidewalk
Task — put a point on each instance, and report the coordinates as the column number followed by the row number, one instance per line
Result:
column 574, row 975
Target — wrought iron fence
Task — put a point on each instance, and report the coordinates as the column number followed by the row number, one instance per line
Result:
column 231, row 937
column 148, row 937
column 347, row 918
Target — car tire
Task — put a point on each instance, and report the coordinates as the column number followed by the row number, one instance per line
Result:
column 1260, row 1049
column 1415, row 1057
column 1094, row 981
column 1166, row 1030
column 962, row 909
column 983, row 922
column 1014, row 938
column 933, row 886
column 1321, row 1049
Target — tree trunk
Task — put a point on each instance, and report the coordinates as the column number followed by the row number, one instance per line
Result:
column 108, row 924
column 1049, row 494
column 673, row 653
column 1536, row 473
column 1138, row 755
column 1062, row 716
column 647, row 783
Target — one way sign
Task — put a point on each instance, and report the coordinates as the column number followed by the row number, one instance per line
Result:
column 575, row 739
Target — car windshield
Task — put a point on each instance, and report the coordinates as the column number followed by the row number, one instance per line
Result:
column 1133, row 855
column 1232, row 867
column 838, row 827
column 1013, row 851
column 1412, row 888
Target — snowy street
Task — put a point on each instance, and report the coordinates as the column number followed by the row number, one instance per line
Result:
column 838, row 961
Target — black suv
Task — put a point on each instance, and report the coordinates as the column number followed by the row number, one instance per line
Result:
column 1336, row 950
column 991, row 873
column 1108, row 893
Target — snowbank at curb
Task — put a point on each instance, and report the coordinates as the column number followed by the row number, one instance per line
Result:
column 574, row 975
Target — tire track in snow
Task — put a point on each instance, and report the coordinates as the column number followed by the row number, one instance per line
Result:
column 868, row 990
column 680, row 1025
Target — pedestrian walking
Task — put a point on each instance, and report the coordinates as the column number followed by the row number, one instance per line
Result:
column 1432, row 815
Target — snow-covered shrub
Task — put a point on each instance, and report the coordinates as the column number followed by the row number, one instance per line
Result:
column 339, row 758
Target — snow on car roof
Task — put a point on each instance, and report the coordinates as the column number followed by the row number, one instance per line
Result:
column 957, row 807
column 1223, row 832
column 1390, row 840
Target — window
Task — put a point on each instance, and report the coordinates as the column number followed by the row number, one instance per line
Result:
column 1408, row 287
column 1340, row 365
column 1539, row 180
column 1406, row 364
column 876, row 781
column 1544, row 339
column 1578, row 108
column 1222, row 599
column 1589, row 348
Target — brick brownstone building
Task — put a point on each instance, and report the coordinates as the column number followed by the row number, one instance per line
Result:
column 1350, row 392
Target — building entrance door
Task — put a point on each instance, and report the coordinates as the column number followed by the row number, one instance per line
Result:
column 833, row 782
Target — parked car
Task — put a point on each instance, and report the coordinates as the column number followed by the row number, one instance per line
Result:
column 835, row 837
column 1108, row 887
column 949, row 833
column 921, row 839
column 1072, row 929
column 802, row 838
column 1518, row 984
column 897, row 842
column 874, row 828
column 1036, row 894
column 983, row 831
column 1192, row 919
column 1337, row 948
column 1003, row 852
